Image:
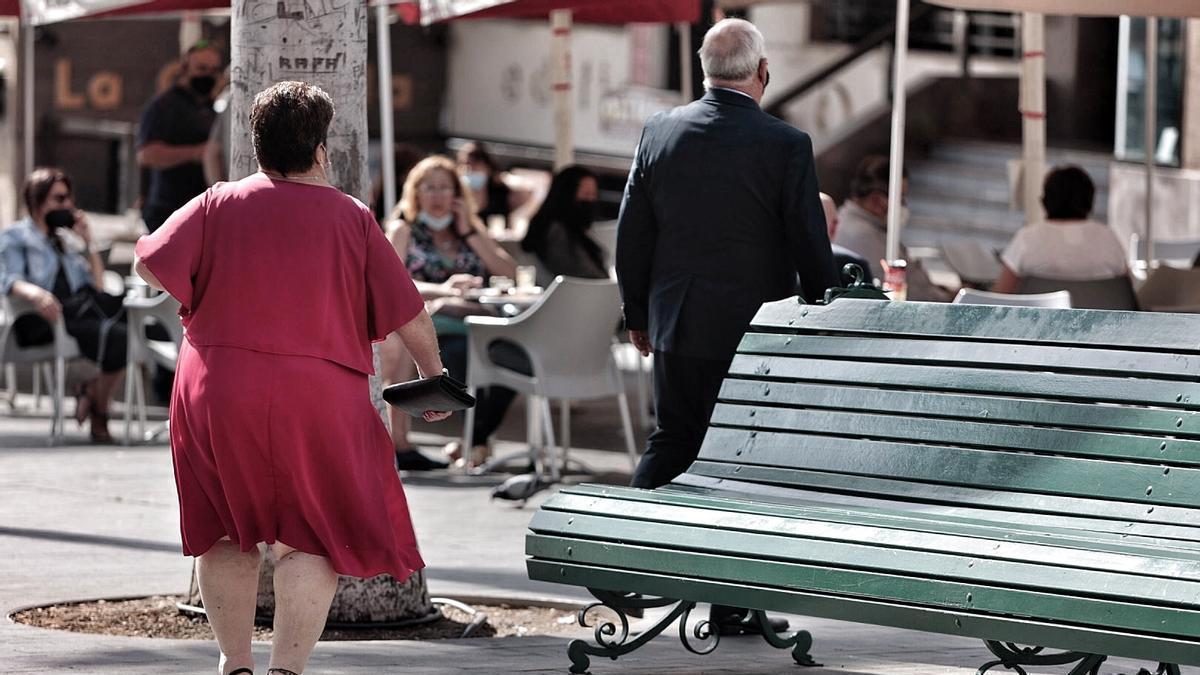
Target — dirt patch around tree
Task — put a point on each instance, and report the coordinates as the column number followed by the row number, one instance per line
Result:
column 159, row 617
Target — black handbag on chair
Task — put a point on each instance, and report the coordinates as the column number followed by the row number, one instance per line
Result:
column 440, row 393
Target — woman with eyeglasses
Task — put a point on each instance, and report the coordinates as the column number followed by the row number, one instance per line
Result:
column 447, row 250
column 47, row 260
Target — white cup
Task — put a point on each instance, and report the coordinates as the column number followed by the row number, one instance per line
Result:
column 526, row 276
column 502, row 284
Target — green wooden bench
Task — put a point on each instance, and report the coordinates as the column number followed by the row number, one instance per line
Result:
column 1024, row 476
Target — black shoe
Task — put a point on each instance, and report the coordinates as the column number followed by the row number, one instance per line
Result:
column 411, row 460
column 745, row 624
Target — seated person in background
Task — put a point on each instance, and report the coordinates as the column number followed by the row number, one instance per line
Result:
column 60, row 275
column 862, row 226
column 493, row 196
column 447, row 251
column 842, row 256
column 1068, row 246
column 558, row 232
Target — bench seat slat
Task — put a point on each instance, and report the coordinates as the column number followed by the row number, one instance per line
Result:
column 1090, row 533
column 1021, row 630
column 951, row 504
column 954, row 466
column 924, row 591
column 1031, row 384
column 1139, row 331
column 922, row 404
column 821, row 533
column 1065, row 442
column 990, row 355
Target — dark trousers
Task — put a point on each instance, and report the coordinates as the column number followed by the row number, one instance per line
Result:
column 685, row 393
column 491, row 402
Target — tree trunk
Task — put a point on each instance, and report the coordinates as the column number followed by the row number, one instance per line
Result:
column 323, row 42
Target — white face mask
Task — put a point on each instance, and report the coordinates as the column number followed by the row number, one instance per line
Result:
column 436, row 224
column 476, row 180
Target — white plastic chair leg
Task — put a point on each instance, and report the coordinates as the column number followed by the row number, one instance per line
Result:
column 140, row 386
column 132, row 372
column 564, row 429
column 56, row 399
column 627, row 425
column 644, row 373
column 38, row 375
column 10, row 385
column 549, row 446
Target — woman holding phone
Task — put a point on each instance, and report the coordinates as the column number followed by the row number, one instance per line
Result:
column 47, row 260
column 448, row 252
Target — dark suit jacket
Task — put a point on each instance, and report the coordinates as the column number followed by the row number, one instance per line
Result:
column 721, row 212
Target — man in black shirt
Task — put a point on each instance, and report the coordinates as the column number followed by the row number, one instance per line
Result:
column 172, row 134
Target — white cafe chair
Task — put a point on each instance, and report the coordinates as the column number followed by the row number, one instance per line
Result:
column 162, row 310
column 52, row 357
column 1054, row 299
column 568, row 337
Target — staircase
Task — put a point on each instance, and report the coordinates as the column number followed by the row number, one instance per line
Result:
column 962, row 190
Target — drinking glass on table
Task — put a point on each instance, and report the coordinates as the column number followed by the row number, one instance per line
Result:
column 526, row 276
column 501, row 283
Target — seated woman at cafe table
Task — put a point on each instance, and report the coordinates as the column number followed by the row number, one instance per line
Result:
column 448, row 252
column 558, row 232
column 1069, row 246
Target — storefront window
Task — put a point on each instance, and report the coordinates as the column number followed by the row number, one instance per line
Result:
column 1131, row 91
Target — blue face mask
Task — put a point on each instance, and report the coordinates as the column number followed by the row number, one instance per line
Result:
column 436, row 224
column 476, row 180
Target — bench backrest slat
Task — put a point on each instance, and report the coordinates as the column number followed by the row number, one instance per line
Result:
column 1068, row 412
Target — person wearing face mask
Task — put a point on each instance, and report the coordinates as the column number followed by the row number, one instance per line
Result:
column 862, row 227
column 447, row 251
column 173, row 133
column 47, row 260
column 558, row 232
column 492, row 195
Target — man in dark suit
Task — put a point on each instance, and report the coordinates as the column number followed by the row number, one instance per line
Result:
column 720, row 214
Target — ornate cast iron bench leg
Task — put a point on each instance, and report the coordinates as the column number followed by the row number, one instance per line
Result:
column 613, row 640
column 1013, row 657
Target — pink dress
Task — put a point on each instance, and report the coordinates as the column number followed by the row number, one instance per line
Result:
column 283, row 288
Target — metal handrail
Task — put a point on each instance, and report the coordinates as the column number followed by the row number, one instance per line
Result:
column 866, row 45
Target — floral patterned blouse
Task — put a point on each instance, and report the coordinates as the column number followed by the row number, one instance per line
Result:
column 428, row 263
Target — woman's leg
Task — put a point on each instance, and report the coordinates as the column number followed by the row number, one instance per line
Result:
column 304, row 588
column 229, row 588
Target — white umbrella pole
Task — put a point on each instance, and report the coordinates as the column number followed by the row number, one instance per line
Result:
column 899, row 98
column 685, row 61
column 1151, row 130
column 560, row 54
column 387, row 132
column 1033, row 112
column 28, row 123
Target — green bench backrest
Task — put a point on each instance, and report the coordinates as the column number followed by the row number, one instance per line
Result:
column 1044, row 411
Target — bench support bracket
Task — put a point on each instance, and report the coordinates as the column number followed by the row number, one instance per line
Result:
column 613, row 638
column 1013, row 657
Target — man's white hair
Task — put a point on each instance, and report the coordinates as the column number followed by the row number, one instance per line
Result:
column 731, row 51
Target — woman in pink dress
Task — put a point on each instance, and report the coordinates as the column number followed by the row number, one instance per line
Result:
column 284, row 283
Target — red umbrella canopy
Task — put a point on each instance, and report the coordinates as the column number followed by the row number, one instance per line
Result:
column 10, row 8
column 588, row 11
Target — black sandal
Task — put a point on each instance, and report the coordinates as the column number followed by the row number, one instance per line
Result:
column 240, row 671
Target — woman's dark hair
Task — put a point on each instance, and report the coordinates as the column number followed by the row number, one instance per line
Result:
column 38, row 185
column 472, row 151
column 1068, row 194
column 559, row 207
column 287, row 122
column 872, row 175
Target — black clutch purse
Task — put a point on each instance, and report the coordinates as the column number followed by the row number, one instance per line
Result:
column 440, row 393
